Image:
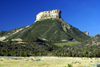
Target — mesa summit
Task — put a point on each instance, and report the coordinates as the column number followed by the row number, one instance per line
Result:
column 48, row 14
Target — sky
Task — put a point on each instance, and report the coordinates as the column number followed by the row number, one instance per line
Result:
column 82, row 14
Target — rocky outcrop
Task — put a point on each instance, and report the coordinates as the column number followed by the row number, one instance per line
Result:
column 17, row 39
column 48, row 14
column 86, row 32
column 2, row 38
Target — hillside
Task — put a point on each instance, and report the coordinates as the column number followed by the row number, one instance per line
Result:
column 2, row 33
column 93, row 41
column 54, row 30
column 7, row 34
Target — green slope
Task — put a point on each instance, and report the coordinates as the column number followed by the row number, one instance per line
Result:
column 2, row 33
column 93, row 41
column 53, row 30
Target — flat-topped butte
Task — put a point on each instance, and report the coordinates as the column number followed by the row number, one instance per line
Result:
column 48, row 14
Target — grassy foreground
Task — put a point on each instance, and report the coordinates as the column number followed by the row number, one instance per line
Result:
column 46, row 61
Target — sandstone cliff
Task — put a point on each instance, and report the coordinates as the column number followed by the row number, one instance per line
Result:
column 86, row 32
column 48, row 14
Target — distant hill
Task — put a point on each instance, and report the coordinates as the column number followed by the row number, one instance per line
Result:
column 93, row 41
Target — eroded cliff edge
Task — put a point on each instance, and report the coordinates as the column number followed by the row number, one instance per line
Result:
column 48, row 14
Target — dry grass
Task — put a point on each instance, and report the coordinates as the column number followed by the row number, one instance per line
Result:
column 49, row 62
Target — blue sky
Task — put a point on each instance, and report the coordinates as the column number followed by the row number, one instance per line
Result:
column 82, row 14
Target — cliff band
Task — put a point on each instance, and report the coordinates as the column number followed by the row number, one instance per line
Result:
column 48, row 14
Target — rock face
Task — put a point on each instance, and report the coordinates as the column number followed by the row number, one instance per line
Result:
column 86, row 32
column 17, row 39
column 2, row 38
column 48, row 14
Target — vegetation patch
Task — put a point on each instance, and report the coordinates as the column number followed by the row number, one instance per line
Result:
column 66, row 43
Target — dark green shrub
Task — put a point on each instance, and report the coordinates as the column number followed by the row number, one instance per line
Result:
column 69, row 65
column 98, row 65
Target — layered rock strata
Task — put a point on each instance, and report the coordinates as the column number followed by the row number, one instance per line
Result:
column 48, row 14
